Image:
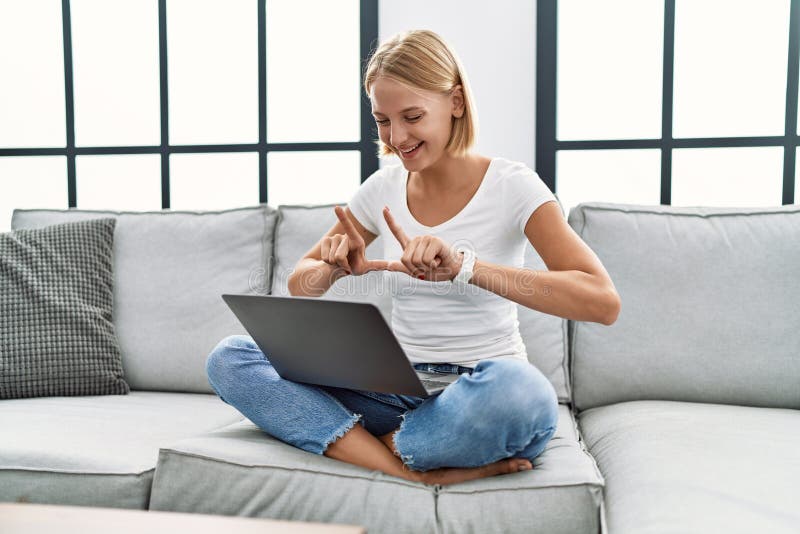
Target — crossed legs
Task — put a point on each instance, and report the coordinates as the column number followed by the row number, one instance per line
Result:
column 475, row 427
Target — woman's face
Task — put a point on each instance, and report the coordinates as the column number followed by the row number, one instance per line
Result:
column 408, row 118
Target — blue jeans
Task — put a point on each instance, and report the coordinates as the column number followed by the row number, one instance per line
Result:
column 503, row 408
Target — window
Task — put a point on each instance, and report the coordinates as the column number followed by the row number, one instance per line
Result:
column 183, row 104
column 682, row 102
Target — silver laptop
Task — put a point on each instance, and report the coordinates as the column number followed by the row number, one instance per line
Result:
column 332, row 343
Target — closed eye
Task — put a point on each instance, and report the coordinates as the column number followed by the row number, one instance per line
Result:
column 409, row 119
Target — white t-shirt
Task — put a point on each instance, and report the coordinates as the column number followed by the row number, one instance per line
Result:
column 439, row 322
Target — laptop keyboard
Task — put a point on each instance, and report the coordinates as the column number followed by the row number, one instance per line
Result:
column 433, row 383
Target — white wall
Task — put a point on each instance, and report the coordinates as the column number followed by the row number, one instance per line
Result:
column 496, row 42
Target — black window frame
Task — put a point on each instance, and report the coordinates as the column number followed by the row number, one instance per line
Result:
column 547, row 145
column 368, row 22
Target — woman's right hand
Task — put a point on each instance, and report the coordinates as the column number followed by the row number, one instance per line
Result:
column 348, row 250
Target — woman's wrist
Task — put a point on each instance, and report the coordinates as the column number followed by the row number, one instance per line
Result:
column 466, row 266
column 314, row 277
column 459, row 256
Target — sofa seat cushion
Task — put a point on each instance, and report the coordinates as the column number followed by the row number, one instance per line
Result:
column 693, row 467
column 240, row 470
column 96, row 450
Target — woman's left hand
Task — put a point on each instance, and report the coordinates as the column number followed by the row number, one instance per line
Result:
column 425, row 257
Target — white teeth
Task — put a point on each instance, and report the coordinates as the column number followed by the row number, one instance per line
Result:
column 412, row 148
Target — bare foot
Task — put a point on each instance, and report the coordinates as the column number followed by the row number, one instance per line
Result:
column 453, row 475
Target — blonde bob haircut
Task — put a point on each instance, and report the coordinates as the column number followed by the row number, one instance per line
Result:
column 422, row 59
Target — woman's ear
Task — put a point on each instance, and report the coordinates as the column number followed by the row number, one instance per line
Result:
column 457, row 98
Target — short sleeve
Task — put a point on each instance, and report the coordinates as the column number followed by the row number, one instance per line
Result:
column 524, row 193
column 367, row 201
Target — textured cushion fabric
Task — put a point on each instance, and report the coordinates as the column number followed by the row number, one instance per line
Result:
column 696, row 468
column 710, row 306
column 56, row 301
column 170, row 270
column 273, row 479
column 96, row 450
column 300, row 227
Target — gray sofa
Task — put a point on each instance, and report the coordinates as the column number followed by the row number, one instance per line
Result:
column 683, row 416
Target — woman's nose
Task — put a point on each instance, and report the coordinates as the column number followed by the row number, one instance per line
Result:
column 397, row 135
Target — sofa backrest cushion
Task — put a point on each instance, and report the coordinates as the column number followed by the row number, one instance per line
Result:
column 710, row 306
column 300, row 227
column 170, row 268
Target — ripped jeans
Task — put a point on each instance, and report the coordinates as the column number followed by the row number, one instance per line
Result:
column 503, row 408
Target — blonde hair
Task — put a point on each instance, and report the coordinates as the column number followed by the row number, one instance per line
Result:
column 422, row 59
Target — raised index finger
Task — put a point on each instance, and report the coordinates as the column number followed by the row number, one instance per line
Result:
column 345, row 220
column 395, row 228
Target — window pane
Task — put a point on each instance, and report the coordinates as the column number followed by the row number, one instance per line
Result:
column 610, row 57
column 730, row 67
column 118, row 182
column 622, row 176
column 116, row 69
column 32, row 73
column 31, row 182
column 313, row 74
column 213, row 71
column 324, row 177
column 733, row 177
column 213, row 181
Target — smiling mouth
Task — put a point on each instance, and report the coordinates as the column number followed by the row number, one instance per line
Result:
column 413, row 150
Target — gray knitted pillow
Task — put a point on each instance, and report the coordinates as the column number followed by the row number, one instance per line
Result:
column 56, row 334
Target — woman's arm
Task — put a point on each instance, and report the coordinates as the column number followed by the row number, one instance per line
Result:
column 313, row 278
column 576, row 286
column 573, row 294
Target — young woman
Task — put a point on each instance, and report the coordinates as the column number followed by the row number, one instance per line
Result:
column 455, row 226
